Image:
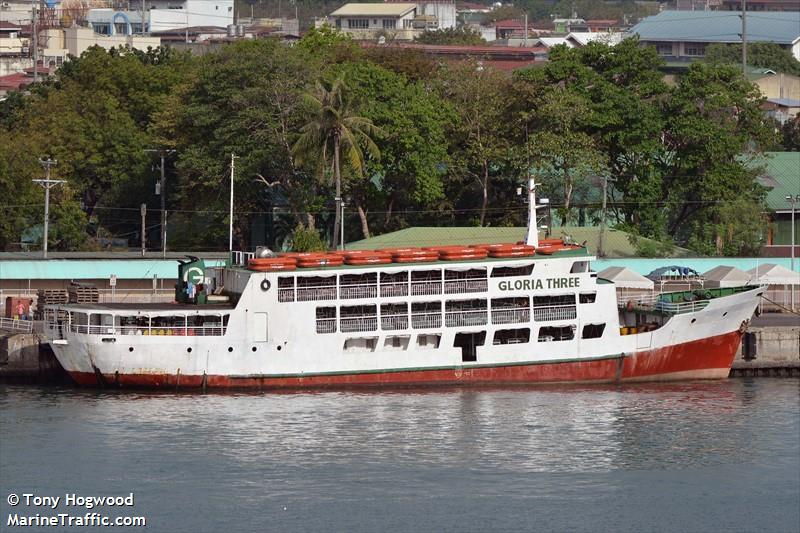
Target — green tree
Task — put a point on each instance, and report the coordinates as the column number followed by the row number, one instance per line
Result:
column 460, row 36
column 791, row 134
column 764, row 55
column 334, row 128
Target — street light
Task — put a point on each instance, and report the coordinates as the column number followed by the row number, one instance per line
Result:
column 793, row 201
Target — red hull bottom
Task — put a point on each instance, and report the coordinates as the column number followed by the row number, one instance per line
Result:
column 709, row 358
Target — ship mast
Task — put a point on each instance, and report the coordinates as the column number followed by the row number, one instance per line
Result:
column 532, row 237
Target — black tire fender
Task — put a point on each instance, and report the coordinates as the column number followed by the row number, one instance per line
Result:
column 265, row 284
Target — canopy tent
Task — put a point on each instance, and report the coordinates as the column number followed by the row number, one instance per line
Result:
column 726, row 276
column 625, row 278
column 672, row 271
column 771, row 274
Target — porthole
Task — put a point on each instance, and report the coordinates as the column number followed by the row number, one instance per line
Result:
column 189, row 350
column 230, row 348
column 694, row 320
column 279, row 348
column 130, row 349
column 725, row 313
column 254, row 348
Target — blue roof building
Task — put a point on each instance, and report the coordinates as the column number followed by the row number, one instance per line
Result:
column 686, row 34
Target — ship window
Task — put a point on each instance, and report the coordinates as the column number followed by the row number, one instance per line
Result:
column 326, row 320
column 558, row 333
column 426, row 315
column 394, row 316
column 361, row 344
column 426, row 282
column 428, row 342
column 394, row 284
column 587, row 297
column 511, row 310
column 316, row 288
column 507, row 272
column 286, row 289
column 593, row 331
column 512, row 336
column 464, row 281
column 465, row 313
column 396, row 342
column 469, row 342
column 559, row 299
column 579, row 266
column 358, row 285
column 358, row 318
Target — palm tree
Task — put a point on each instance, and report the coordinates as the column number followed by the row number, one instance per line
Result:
column 334, row 127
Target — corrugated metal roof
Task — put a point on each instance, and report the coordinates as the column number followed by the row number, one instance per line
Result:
column 782, row 174
column 785, row 102
column 373, row 10
column 720, row 26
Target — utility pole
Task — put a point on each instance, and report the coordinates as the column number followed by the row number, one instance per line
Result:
column 162, row 191
column 526, row 31
column 601, row 249
column 744, row 37
column 143, row 211
column 230, row 222
column 793, row 200
column 35, row 39
column 48, row 184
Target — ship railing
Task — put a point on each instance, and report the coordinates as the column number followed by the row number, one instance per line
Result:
column 422, row 288
column 466, row 286
column 426, row 320
column 326, row 325
column 454, row 319
column 358, row 323
column 654, row 303
column 555, row 312
column 322, row 292
column 389, row 290
column 511, row 316
column 358, row 291
column 394, row 322
column 175, row 331
column 286, row 295
column 16, row 324
column 241, row 258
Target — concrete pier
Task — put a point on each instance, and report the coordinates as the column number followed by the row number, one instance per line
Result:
column 777, row 353
column 27, row 358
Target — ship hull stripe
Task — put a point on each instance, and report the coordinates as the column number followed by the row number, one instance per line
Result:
column 708, row 358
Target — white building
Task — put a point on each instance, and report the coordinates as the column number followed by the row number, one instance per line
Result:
column 162, row 15
column 403, row 21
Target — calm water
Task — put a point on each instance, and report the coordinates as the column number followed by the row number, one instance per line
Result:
column 721, row 456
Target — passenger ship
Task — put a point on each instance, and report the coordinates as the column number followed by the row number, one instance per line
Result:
column 491, row 314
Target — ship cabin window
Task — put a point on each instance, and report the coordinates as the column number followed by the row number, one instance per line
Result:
column 361, row 344
column 358, row 318
column 206, row 325
column 101, row 324
column 511, row 310
column 316, row 288
column 460, row 313
column 394, row 316
column 358, row 285
column 326, row 320
column 426, row 315
column 512, row 336
column 593, row 331
column 579, row 266
column 396, row 342
column 557, row 333
column 78, row 322
column 458, row 281
column 286, row 289
column 428, row 342
column 394, row 284
column 167, row 325
column 426, row 282
column 587, row 297
column 507, row 272
column 556, row 307
column 131, row 325
column 469, row 342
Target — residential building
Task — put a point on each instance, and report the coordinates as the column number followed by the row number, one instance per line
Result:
column 782, row 178
column 162, row 15
column 782, row 109
column 401, row 21
column 775, row 84
column 11, row 42
column 686, row 35
column 580, row 39
column 568, row 25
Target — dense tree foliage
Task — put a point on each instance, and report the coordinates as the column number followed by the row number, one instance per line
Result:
column 463, row 36
column 764, row 55
column 420, row 143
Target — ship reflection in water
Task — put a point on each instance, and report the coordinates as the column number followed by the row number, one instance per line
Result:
column 697, row 456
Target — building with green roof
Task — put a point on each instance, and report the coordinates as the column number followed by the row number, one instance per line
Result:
column 782, row 177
